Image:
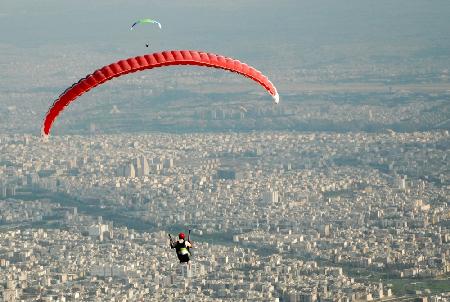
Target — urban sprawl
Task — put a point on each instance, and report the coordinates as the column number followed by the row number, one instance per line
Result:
column 275, row 216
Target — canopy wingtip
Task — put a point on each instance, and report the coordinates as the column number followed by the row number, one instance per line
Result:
column 44, row 135
column 276, row 98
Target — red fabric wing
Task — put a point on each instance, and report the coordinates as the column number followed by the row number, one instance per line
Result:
column 166, row 58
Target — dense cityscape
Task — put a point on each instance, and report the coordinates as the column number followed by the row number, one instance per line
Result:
column 274, row 216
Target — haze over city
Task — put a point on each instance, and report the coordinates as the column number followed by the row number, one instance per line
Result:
column 338, row 193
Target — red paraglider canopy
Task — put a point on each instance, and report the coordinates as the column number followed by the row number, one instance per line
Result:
column 166, row 58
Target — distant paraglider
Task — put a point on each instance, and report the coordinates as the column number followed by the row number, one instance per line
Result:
column 143, row 21
column 161, row 59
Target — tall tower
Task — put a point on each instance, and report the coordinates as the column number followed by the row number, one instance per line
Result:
column 129, row 170
column 144, row 165
column 270, row 197
column 137, row 167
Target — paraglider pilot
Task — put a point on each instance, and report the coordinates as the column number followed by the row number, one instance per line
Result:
column 182, row 247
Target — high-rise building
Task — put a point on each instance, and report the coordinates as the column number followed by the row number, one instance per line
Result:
column 11, row 190
column 141, row 166
column 401, row 182
column 270, row 197
column 120, row 171
column 168, row 163
column 32, row 179
column 191, row 270
column 129, row 170
column 325, row 230
column 2, row 190
column 144, row 165
column 137, row 167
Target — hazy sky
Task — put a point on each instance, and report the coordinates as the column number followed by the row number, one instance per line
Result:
column 230, row 27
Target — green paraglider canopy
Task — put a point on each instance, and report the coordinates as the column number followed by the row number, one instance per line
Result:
column 145, row 21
